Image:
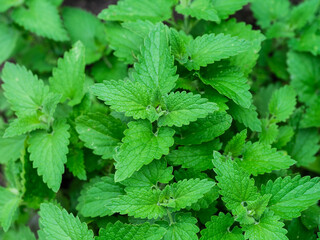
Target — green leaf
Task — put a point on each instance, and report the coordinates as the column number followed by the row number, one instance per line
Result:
column 186, row 192
column 143, row 203
column 269, row 132
column 297, row 230
column 58, row 224
column 284, row 136
column 198, row 157
column 131, row 10
column 6, row 4
column 23, row 125
column 9, row 203
column 68, row 78
column 282, row 103
column 219, row 229
column 229, row 173
column 305, row 146
column 305, row 75
column 86, row 27
column 312, row 116
column 126, row 41
column 200, row 9
column 150, row 175
column 48, row 153
column 178, row 43
column 268, row 227
column 246, row 60
column 227, row 8
column 210, row 48
column 204, row 130
column 184, row 227
column 132, row 98
column 35, row 191
column 42, row 18
column 11, row 148
column 247, row 116
column 121, row 231
column 22, row 233
column 95, row 196
column 75, row 163
column 23, row 90
column 101, row 133
column 155, row 68
column 310, row 217
column 266, row 12
column 303, row 13
column 8, row 40
column 140, row 146
column 260, row 158
column 228, row 81
column 181, row 108
column 291, row 196
column 236, row 145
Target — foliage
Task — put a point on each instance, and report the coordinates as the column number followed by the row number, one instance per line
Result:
column 160, row 120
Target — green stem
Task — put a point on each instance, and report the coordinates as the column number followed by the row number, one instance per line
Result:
column 170, row 217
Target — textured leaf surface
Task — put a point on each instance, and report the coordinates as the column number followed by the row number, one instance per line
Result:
column 312, row 116
column 155, row 68
column 305, row 75
column 75, row 163
column 140, row 204
column 260, row 158
column 268, row 227
column 186, row 192
column 184, row 227
column 246, row 60
column 42, row 18
column 140, row 146
column 60, row 225
column 246, row 116
column 226, row 8
column 23, row 90
column 86, row 27
column 101, row 133
column 9, row 203
column 210, row 48
column 229, row 174
column 121, row 231
column 131, row 10
column 24, row 125
column 282, row 103
column 95, row 196
column 48, row 153
column 204, row 130
column 10, row 148
column 68, row 78
column 132, row 98
column 8, row 40
column 150, row 175
column 197, row 157
column 305, row 146
column 200, row 9
column 267, row 12
column 23, row 233
column 228, row 81
column 236, row 145
column 183, row 108
column 291, row 196
column 218, row 229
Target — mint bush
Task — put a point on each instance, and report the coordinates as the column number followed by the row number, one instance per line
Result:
column 160, row 120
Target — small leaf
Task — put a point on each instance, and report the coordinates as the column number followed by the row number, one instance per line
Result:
column 57, row 224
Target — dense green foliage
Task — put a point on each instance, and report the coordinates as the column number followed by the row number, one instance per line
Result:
column 160, row 120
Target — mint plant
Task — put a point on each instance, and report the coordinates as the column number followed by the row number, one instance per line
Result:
column 159, row 120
